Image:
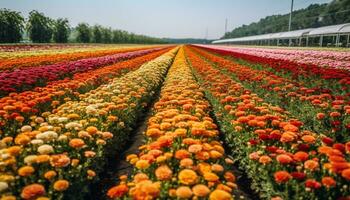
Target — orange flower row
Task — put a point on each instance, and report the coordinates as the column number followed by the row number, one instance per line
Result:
column 67, row 148
column 292, row 160
column 21, row 109
column 182, row 157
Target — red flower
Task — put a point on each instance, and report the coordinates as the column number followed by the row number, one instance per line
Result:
column 311, row 183
column 298, row 175
column 282, row 176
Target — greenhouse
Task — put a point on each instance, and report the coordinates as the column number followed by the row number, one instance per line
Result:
column 327, row 36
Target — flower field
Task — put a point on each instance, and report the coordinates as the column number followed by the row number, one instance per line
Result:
column 220, row 123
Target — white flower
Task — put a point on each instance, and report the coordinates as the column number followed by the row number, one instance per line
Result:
column 26, row 128
column 47, row 135
column 62, row 138
column 30, row 159
column 73, row 125
column 53, row 119
column 3, row 186
column 4, row 156
column 37, row 141
column 45, row 149
column 62, row 119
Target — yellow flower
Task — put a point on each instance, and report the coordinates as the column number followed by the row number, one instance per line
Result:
column 188, row 177
column 184, row 192
column 220, row 195
column 61, row 185
column 142, row 164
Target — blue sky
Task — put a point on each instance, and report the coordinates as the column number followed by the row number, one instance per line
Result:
column 160, row 18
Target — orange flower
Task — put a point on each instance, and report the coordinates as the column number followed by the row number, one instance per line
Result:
column 163, row 173
column 220, row 195
column 140, row 177
column 61, row 185
column 42, row 159
column 76, row 143
column 117, row 191
column 59, row 160
column 142, row 164
column 288, row 136
column 211, row 177
column 184, row 192
column 217, row 168
column 50, row 174
column 308, row 139
column 26, row 171
column 300, row 156
column 290, row 127
column 154, row 132
column 328, row 182
column 195, row 148
column 181, row 154
column 188, row 177
column 215, row 154
column 346, row 174
column 91, row 173
column 311, row 165
column 14, row 150
column 200, row 190
column 32, row 191
column 284, row 159
column 265, row 159
column 91, row 130
column 186, row 162
column 229, row 176
column 282, row 176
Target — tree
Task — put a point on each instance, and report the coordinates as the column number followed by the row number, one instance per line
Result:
column 84, row 34
column 61, row 31
column 106, row 35
column 97, row 34
column 40, row 27
column 11, row 26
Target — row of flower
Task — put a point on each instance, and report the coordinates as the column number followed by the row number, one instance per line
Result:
column 291, row 161
column 32, row 47
column 338, row 80
column 21, row 52
column 324, row 58
column 63, row 151
column 31, row 77
column 182, row 157
column 21, row 109
column 319, row 111
column 14, row 60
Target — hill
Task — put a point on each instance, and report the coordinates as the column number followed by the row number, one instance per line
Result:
column 316, row 15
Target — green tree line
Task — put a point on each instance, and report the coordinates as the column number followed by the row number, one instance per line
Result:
column 315, row 15
column 42, row 29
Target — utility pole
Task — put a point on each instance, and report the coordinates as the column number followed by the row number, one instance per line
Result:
column 225, row 25
column 290, row 19
column 290, row 16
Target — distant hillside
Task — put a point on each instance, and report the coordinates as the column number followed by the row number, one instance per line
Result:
column 316, row 15
column 186, row 41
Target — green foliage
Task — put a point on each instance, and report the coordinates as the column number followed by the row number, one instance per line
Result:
column 61, row 30
column 11, row 26
column 97, row 34
column 316, row 15
column 84, row 34
column 40, row 27
column 107, row 35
